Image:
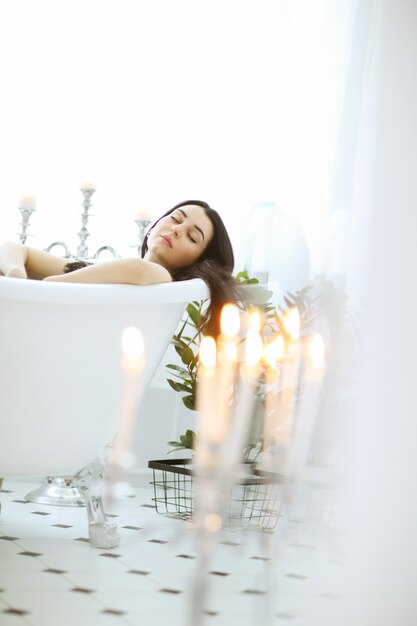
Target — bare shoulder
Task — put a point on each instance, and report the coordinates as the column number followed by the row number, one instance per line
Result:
column 151, row 273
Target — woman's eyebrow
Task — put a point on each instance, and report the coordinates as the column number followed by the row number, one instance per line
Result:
column 195, row 226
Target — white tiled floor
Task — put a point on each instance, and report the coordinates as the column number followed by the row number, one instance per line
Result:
column 63, row 581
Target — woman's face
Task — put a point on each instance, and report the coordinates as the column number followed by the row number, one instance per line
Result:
column 178, row 239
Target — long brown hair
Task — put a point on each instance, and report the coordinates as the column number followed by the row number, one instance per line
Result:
column 214, row 266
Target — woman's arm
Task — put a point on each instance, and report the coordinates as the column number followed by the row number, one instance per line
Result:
column 121, row 271
column 20, row 261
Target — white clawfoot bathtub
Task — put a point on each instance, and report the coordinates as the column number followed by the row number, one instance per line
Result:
column 60, row 375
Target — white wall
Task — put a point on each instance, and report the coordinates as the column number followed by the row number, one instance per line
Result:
column 155, row 102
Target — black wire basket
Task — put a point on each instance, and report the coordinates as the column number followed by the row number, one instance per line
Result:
column 254, row 502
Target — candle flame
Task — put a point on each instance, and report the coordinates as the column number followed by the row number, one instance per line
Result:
column 292, row 323
column 255, row 319
column 133, row 346
column 253, row 348
column 316, row 350
column 274, row 351
column 207, row 352
column 230, row 321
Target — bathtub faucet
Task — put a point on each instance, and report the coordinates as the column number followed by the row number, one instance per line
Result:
column 106, row 249
column 62, row 244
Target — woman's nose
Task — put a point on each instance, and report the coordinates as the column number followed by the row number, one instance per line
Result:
column 174, row 230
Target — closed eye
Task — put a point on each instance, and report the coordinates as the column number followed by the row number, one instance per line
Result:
column 178, row 222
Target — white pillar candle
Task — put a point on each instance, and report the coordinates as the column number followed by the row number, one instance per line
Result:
column 310, row 396
column 27, row 202
column 290, row 371
column 207, row 406
column 88, row 186
column 143, row 216
column 227, row 361
column 132, row 363
column 274, row 352
column 249, row 374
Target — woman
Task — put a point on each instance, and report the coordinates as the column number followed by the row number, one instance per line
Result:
column 189, row 241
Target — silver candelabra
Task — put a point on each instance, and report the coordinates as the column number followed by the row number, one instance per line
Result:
column 26, row 213
column 82, row 249
column 27, row 207
column 143, row 225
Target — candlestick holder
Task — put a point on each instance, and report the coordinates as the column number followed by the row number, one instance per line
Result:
column 82, row 250
column 143, row 226
column 26, row 213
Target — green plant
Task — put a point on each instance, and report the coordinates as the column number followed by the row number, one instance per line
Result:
column 186, row 343
column 186, row 442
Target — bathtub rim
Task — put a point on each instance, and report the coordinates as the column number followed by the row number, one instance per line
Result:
column 28, row 290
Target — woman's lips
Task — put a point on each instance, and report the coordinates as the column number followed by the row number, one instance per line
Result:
column 167, row 239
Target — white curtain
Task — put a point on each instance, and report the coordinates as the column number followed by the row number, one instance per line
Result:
column 308, row 148
column 382, row 279
column 346, row 163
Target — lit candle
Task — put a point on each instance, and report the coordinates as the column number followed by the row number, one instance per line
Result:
column 27, row 202
column 132, row 362
column 207, row 405
column 88, row 186
column 227, row 358
column 255, row 319
column 143, row 216
column 274, row 352
column 289, row 375
column 310, row 396
column 249, row 374
column 292, row 323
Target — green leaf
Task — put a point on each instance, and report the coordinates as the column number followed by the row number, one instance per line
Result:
column 179, row 345
column 178, row 386
column 189, row 402
column 187, row 441
column 194, row 361
column 179, row 335
column 194, row 314
column 177, row 368
column 187, row 355
column 188, row 379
